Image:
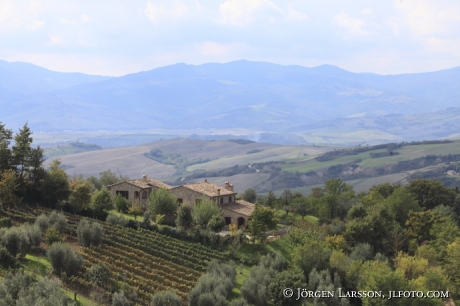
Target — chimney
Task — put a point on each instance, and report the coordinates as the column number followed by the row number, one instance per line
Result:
column 218, row 192
column 228, row 186
column 144, row 177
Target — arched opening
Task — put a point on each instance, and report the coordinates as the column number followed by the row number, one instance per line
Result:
column 241, row 222
column 221, row 200
column 136, row 194
column 144, row 194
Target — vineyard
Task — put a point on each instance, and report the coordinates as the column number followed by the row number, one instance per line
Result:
column 147, row 261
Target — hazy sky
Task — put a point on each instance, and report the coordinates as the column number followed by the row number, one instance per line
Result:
column 119, row 37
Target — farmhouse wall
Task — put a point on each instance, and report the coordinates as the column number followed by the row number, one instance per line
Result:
column 234, row 216
column 131, row 189
column 188, row 196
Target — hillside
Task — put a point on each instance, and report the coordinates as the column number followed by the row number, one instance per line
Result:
column 22, row 80
column 133, row 161
column 270, row 167
column 260, row 97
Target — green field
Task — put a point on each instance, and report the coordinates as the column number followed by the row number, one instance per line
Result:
column 289, row 153
column 406, row 153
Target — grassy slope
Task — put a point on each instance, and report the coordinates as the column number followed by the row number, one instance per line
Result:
column 40, row 265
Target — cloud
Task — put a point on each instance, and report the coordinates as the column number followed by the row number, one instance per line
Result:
column 85, row 18
column 367, row 11
column 426, row 18
column 23, row 15
column 55, row 39
column 8, row 15
column 294, row 15
column 35, row 25
column 34, row 6
column 353, row 26
column 210, row 48
column 157, row 12
column 243, row 12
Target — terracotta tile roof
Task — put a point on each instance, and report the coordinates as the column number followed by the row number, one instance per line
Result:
column 145, row 183
column 208, row 189
column 239, row 206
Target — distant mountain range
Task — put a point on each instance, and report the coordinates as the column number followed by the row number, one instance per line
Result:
column 302, row 103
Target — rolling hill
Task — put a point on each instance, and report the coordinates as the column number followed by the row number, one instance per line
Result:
column 266, row 167
column 291, row 101
column 132, row 161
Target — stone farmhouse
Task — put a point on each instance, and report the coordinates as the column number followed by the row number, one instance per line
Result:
column 137, row 191
column 234, row 211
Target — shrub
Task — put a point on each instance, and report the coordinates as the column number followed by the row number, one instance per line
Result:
column 119, row 299
column 121, row 286
column 89, row 233
column 102, row 201
column 42, row 222
column 121, row 203
column 7, row 260
column 55, row 219
column 239, row 302
column 97, row 233
column 114, row 220
column 216, row 223
column 204, row 212
column 285, row 279
column 16, row 241
column 51, row 236
column 98, row 274
column 162, row 202
column 64, row 259
column 16, row 283
column 184, row 218
column 362, row 251
column 254, row 289
column 275, row 261
column 5, row 222
column 58, row 220
column 215, row 286
column 34, row 234
column 166, row 298
column 159, row 219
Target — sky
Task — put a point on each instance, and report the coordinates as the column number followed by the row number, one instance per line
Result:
column 119, row 37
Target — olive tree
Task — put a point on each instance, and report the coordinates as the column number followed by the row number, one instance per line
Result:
column 64, row 259
column 89, row 233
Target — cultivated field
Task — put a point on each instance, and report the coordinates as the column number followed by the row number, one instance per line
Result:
column 406, row 153
column 131, row 161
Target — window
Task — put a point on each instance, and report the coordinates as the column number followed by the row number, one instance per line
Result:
column 123, row 193
column 180, row 200
column 230, row 199
column 228, row 220
column 221, row 200
column 136, row 194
